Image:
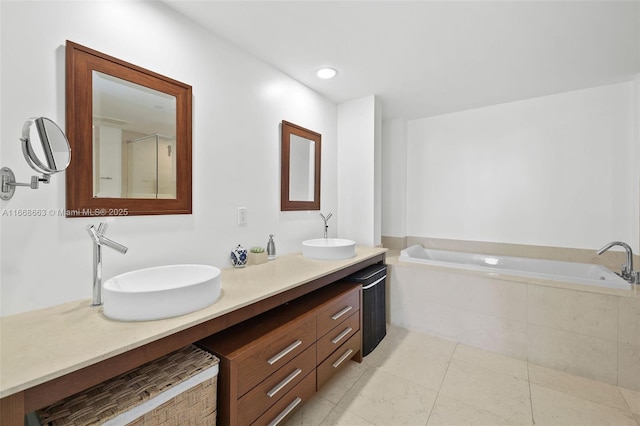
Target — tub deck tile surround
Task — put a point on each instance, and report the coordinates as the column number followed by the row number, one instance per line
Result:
column 629, row 311
column 629, row 343
column 585, row 313
column 629, row 366
column 42, row 347
column 590, row 331
column 494, row 333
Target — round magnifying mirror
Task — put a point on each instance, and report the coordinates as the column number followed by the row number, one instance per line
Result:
column 45, row 146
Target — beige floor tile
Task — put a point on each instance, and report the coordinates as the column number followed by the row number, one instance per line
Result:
column 580, row 387
column 449, row 411
column 312, row 413
column 339, row 385
column 338, row 417
column 556, row 408
column 633, row 401
column 399, row 337
column 481, row 388
column 417, row 365
column 413, row 355
column 393, row 330
column 497, row 363
column 384, row 399
column 380, row 353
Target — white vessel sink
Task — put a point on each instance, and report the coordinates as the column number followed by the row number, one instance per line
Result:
column 329, row 249
column 160, row 292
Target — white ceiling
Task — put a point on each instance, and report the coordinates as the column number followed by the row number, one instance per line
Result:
column 424, row 58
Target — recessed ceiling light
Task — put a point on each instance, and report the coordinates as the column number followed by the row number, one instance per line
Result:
column 327, row 73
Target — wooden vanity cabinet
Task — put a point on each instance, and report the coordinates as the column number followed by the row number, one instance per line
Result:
column 274, row 362
column 327, row 344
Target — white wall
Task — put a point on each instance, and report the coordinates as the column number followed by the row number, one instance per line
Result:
column 238, row 105
column 377, row 174
column 555, row 171
column 636, row 114
column 356, row 171
column 394, row 178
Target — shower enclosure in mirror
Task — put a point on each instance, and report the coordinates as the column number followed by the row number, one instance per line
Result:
column 132, row 157
column 300, row 168
column 131, row 129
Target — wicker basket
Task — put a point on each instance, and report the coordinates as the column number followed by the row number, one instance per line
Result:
column 177, row 389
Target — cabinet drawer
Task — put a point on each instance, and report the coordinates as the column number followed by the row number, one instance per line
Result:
column 267, row 359
column 338, row 311
column 339, row 358
column 282, row 410
column 336, row 337
column 263, row 396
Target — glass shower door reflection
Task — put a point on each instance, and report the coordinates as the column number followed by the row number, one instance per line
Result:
column 151, row 167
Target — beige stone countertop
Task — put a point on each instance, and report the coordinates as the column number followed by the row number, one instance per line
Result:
column 41, row 345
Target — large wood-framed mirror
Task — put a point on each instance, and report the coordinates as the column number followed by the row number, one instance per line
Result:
column 300, row 168
column 130, row 132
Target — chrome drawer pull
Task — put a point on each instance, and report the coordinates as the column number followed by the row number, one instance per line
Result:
column 286, row 412
column 341, row 313
column 341, row 335
column 284, row 383
column 284, row 352
column 342, row 358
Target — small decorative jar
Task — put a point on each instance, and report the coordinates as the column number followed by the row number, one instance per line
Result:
column 239, row 257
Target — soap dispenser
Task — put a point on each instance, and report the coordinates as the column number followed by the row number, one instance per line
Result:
column 271, row 248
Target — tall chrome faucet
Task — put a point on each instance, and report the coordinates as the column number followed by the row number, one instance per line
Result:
column 627, row 271
column 98, row 238
column 326, row 219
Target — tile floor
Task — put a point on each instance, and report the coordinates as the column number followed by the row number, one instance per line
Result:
column 416, row 379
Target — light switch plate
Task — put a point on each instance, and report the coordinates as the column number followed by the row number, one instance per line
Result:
column 242, row 216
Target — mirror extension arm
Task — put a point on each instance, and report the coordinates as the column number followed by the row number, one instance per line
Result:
column 9, row 182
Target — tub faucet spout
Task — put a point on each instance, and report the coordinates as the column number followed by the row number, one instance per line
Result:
column 98, row 239
column 627, row 270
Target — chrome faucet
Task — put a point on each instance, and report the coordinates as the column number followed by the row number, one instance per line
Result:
column 326, row 219
column 98, row 238
column 627, row 271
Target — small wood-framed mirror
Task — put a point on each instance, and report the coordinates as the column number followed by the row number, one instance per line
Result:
column 130, row 132
column 300, row 168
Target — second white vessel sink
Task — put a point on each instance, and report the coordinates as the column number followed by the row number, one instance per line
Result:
column 329, row 249
column 160, row 292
